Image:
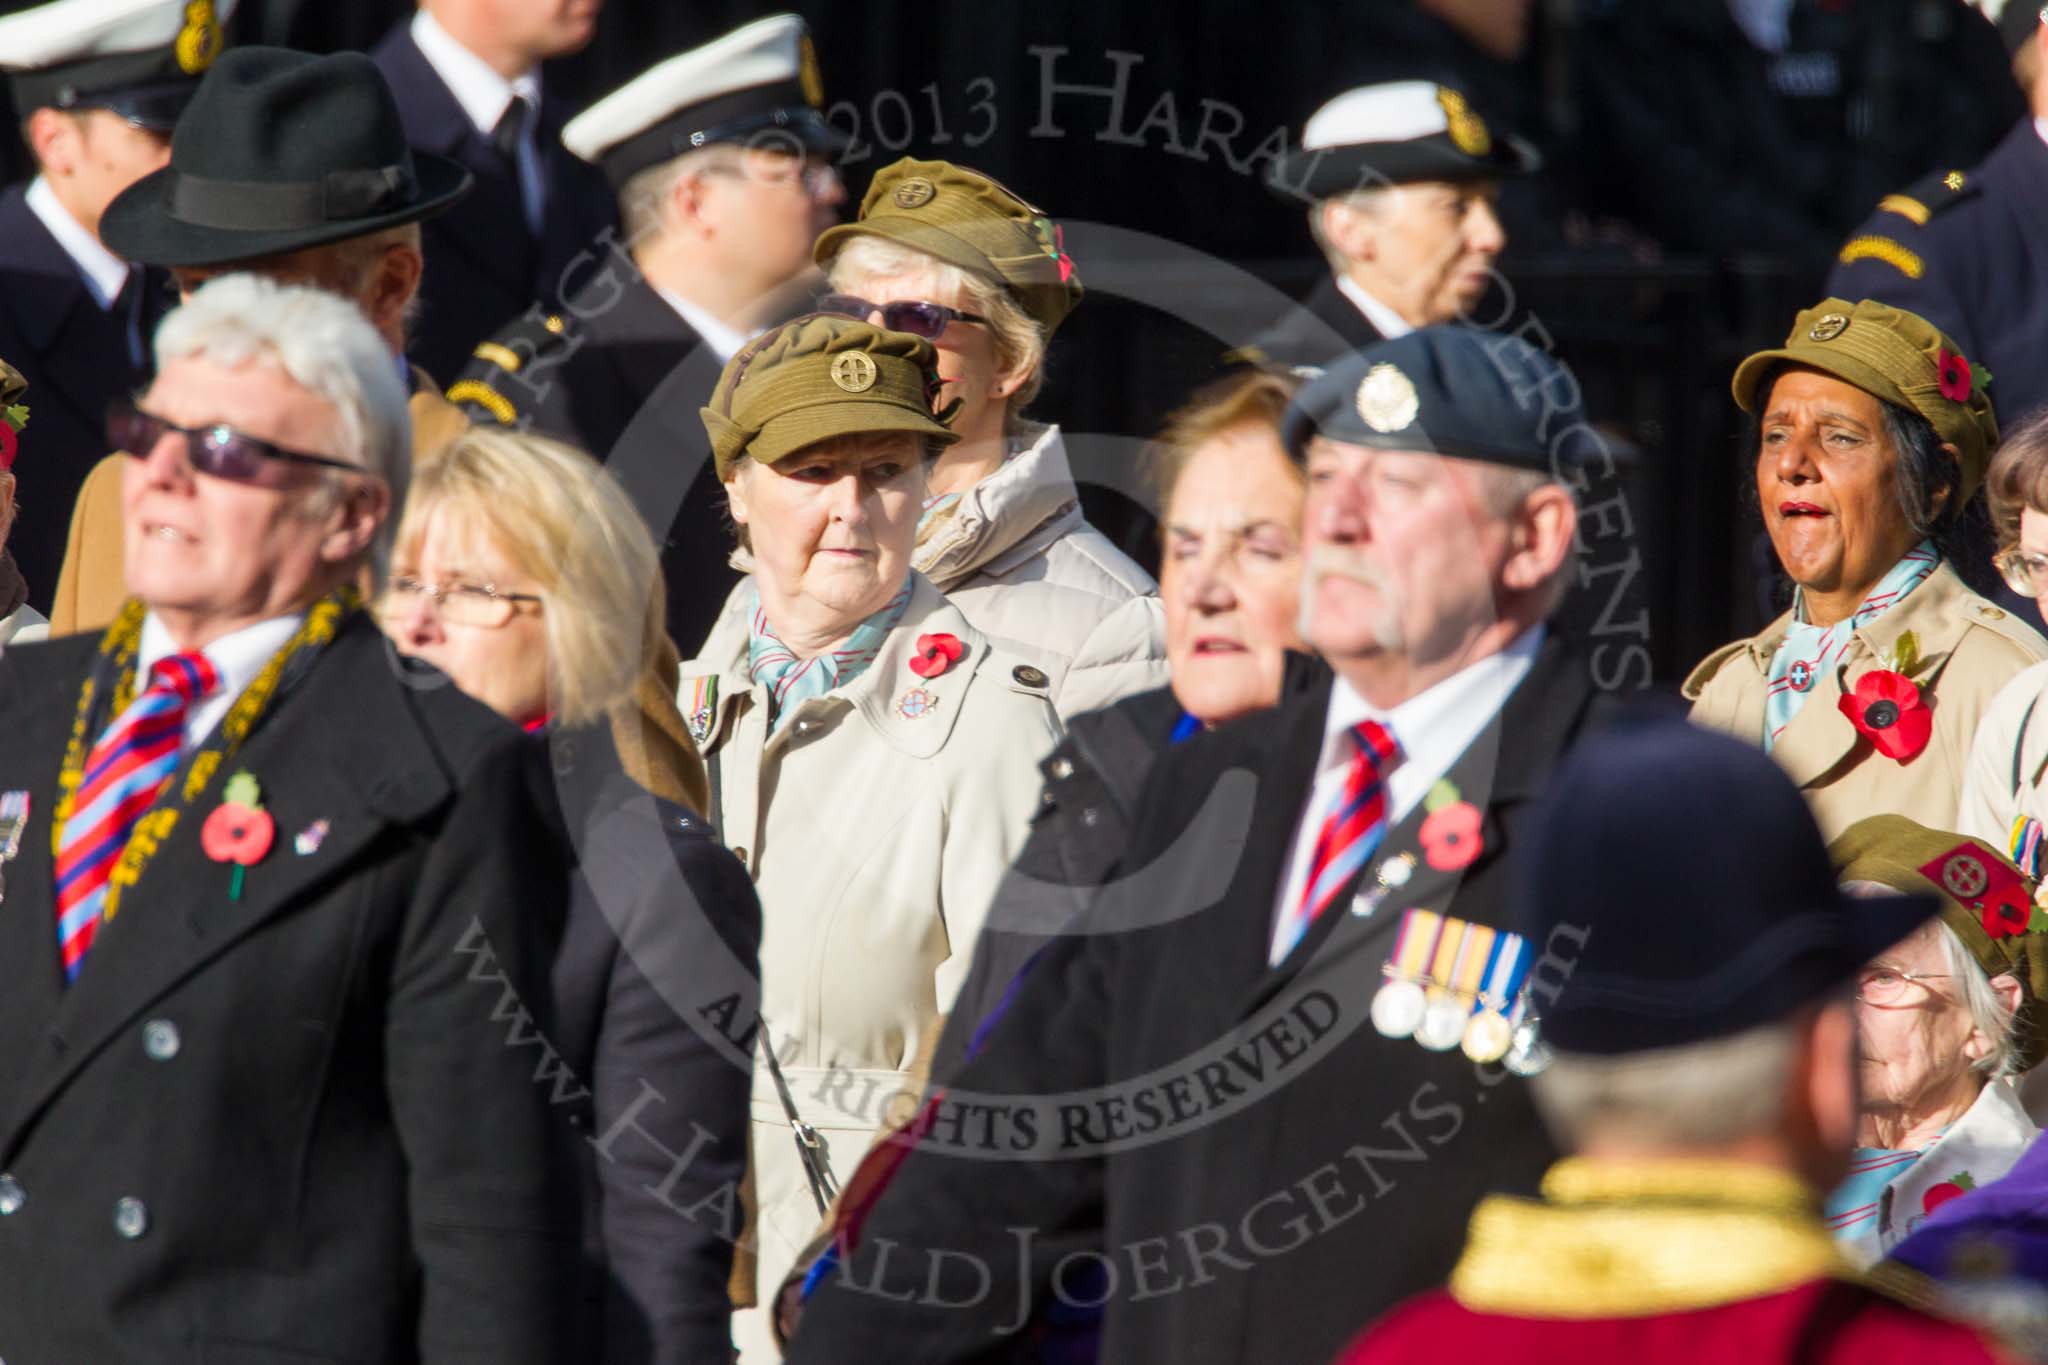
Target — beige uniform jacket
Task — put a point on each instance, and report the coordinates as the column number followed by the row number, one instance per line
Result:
column 1968, row 650
column 1017, row 557
column 876, row 831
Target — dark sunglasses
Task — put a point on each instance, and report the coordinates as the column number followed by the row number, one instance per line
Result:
column 914, row 316
column 218, row 450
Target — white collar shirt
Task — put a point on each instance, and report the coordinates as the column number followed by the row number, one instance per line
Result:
column 1388, row 323
column 237, row 656
column 2041, row 128
column 1433, row 728
column 722, row 340
column 484, row 96
column 104, row 273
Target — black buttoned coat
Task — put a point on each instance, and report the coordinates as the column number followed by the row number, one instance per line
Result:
column 321, row 1097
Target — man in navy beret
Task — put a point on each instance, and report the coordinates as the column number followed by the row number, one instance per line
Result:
column 1703, row 1073
column 1280, row 1059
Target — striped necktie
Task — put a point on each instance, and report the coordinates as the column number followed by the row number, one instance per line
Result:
column 1350, row 832
column 123, row 774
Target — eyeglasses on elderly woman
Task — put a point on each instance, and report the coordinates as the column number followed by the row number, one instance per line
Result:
column 1888, row 987
column 218, row 450
column 918, row 317
column 458, row 604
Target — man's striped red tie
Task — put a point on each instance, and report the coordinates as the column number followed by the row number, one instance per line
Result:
column 123, row 774
column 1351, row 831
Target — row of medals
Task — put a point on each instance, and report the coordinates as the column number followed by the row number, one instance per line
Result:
column 1441, row 1018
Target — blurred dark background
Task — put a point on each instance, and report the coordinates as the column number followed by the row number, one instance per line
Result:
column 1697, row 185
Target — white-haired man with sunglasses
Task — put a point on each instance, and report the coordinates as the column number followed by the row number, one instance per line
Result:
column 267, row 908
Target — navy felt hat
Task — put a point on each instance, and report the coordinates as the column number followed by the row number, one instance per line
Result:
column 1450, row 389
column 1680, row 891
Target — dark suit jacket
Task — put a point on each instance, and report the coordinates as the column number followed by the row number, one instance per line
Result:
column 1266, row 1172
column 1976, row 267
column 484, row 267
column 662, row 940
column 75, row 357
column 345, row 1156
column 623, row 376
column 1316, row 331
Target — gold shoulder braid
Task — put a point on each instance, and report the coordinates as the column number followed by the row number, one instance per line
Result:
column 113, row 679
column 1614, row 1240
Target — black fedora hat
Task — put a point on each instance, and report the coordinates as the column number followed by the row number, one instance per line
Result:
column 1679, row 891
column 279, row 150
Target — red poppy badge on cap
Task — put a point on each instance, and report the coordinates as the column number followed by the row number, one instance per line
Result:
column 1986, row 885
column 1956, row 380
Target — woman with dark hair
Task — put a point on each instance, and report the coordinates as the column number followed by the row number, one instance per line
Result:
column 1871, row 433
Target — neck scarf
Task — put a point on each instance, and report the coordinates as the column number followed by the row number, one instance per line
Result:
column 1810, row 650
column 1852, row 1207
column 110, row 687
column 791, row 680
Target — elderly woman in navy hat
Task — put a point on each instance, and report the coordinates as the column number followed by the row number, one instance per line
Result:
column 1871, row 431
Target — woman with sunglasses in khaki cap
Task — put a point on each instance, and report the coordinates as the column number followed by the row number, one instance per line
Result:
column 872, row 756
column 1870, row 433
column 18, row 620
column 947, row 254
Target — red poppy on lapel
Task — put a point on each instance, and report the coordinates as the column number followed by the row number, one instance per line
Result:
column 236, row 833
column 935, row 654
column 1450, row 836
column 1887, row 709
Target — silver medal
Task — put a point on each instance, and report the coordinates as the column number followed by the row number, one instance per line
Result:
column 1397, row 1008
column 1443, row 1022
column 1528, row 1053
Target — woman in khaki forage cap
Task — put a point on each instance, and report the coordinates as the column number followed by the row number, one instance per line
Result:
column 948, row 253
column 18, row 620
column 1871, row 431
column 873, row 757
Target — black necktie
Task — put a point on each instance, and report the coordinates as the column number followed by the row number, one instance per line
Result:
column 511, row 130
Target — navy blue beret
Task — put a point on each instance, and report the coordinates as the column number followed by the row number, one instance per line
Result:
column 1676, row 890
column 1450, row 389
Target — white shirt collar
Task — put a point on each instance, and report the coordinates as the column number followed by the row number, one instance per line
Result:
column 1435, row 726
column 103, row 272
column 1388, row 323
column 722, row 340
column 237, row 656
column 481, row 91
column 2041, row 128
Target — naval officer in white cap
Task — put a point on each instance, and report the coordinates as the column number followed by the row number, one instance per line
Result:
column 97, row 86
column 721, row 161
column 1399, row 181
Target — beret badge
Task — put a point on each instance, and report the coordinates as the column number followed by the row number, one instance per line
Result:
column 199, row 41
column 1468, row 130
column 1387, row 400
column 853, row 371
column 915, row 193
column 1828, row 327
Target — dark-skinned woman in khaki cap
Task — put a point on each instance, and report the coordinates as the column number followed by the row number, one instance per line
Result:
column 1871, row 431
column 948, row 253
column 872, row 756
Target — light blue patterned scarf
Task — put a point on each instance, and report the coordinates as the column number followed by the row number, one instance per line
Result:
column 1809, row 651
column 790, row 680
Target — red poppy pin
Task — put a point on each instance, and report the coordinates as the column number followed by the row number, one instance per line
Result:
column 1955, row 1188
column 1955, row 378
column 1988, row 885
column 12, row 420
column 1450, row 833
column 935, row 654
column 1888, row 710
column 239, row 831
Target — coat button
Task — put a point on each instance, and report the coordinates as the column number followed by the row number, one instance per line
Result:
column 1090, row 817
column 1029, row 676
column 12, row 1195
column 1062, row 768
column 131, row 1217
column 160, row 1039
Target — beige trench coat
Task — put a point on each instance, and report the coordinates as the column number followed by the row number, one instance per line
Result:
column 875, row 840
column 1968, row 649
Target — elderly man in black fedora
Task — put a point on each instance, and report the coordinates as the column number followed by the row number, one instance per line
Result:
column 1703, row 1029
column 277, row 915
column 1279, row 1059
column 1400, row 181
column 295, row 167
column 96, row 88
